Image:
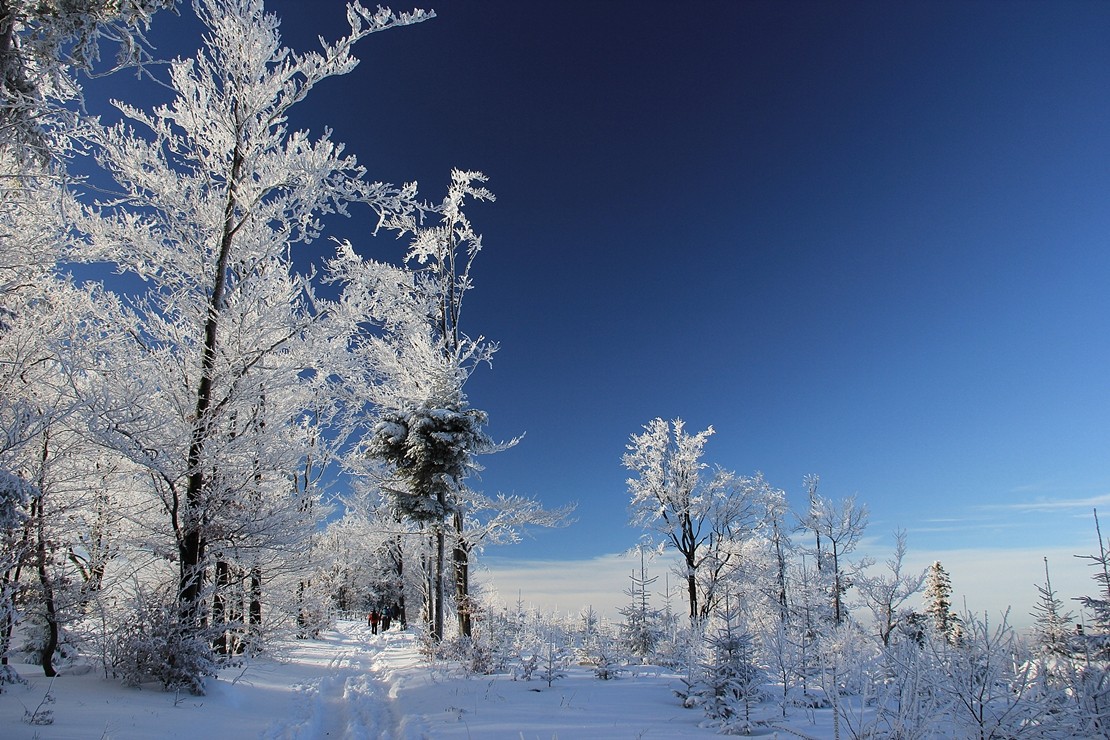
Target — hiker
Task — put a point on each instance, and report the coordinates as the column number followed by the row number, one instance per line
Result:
column 373, row 621
column 386, row 619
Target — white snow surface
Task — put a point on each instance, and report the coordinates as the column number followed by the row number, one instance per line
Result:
column 351, row 684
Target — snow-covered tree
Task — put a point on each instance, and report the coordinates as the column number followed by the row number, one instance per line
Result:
column 553, row 661
column 15, row 498
column 1097, row 632
column 43, row 44
column 1088, row 676
column 839, row 526
column 1052, row 624
column 416, row 360
column 214, row 197
column 641, row 629
column 49, row 335
column 782, row 651
column 885, row 594
column 938, row 601
column 43, row 318
column 683, row 510
column 733, row 680
column 777, row 533
column 849, row 674
column 809, row 617
column 988, row 683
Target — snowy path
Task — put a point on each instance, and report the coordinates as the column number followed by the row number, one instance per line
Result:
column 349, row 684
column 348, row 700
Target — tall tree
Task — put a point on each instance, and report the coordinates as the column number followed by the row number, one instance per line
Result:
column 213, row 198
column 840, row 525
column 427, row 432
column 695, row 515
column 778, row 536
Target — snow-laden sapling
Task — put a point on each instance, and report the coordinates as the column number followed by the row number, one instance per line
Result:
column 642, row 628
column 154, row 646
column 733, row 680
column 553, row 662
column 990, row 689
column 526, row 666
column 691, row 648
column 41, row 714
column 605, row 657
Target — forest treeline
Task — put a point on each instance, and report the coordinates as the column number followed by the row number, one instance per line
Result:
column 175, row 440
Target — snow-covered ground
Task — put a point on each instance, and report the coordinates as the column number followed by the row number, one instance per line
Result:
column 350, row 684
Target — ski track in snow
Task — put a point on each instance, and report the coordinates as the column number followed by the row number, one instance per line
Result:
column 349, row 701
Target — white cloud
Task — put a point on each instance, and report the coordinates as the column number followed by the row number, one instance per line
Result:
column 990, row 580
column 984, row 580
column 568, row 586
column 1084, row 504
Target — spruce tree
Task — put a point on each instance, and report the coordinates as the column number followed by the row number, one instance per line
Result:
column 1051, row 624
column 1097, row 634
column 733, row 683
column 641, row 629
column 938, row 601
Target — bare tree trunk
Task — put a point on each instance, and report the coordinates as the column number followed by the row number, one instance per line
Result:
column 397, row 557
column 254, row 615
column 38, row 518
column 441, row 566
column 397, row 553
column 50, row 643
column 7, row 35
column 92, row 565
column 220, row 597
column 461, row 558
column 691, row 583
column 235, row 610
column 302, row 617
column 192, row 542
column 7, row 593
column 781, row 576
column 9, row 585
column 429, row 588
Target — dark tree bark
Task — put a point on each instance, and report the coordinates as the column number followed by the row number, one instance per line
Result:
column 220, row 597
column 50, row 611
column 461, row 560
column 192, row 540
column 9, row 584
column 440, row 567
column 254, row 613
column 50, row 643
column 397, row 555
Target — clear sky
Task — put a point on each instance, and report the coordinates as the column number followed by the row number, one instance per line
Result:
column 864, row 240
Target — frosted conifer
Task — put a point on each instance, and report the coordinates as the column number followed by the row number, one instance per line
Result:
column 938, row 601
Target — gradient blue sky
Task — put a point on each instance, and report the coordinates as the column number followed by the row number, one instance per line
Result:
column 864, row 240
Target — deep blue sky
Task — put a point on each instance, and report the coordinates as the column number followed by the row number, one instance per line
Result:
column 865, row 240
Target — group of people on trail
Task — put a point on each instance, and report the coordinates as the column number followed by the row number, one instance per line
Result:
column 381, row 617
